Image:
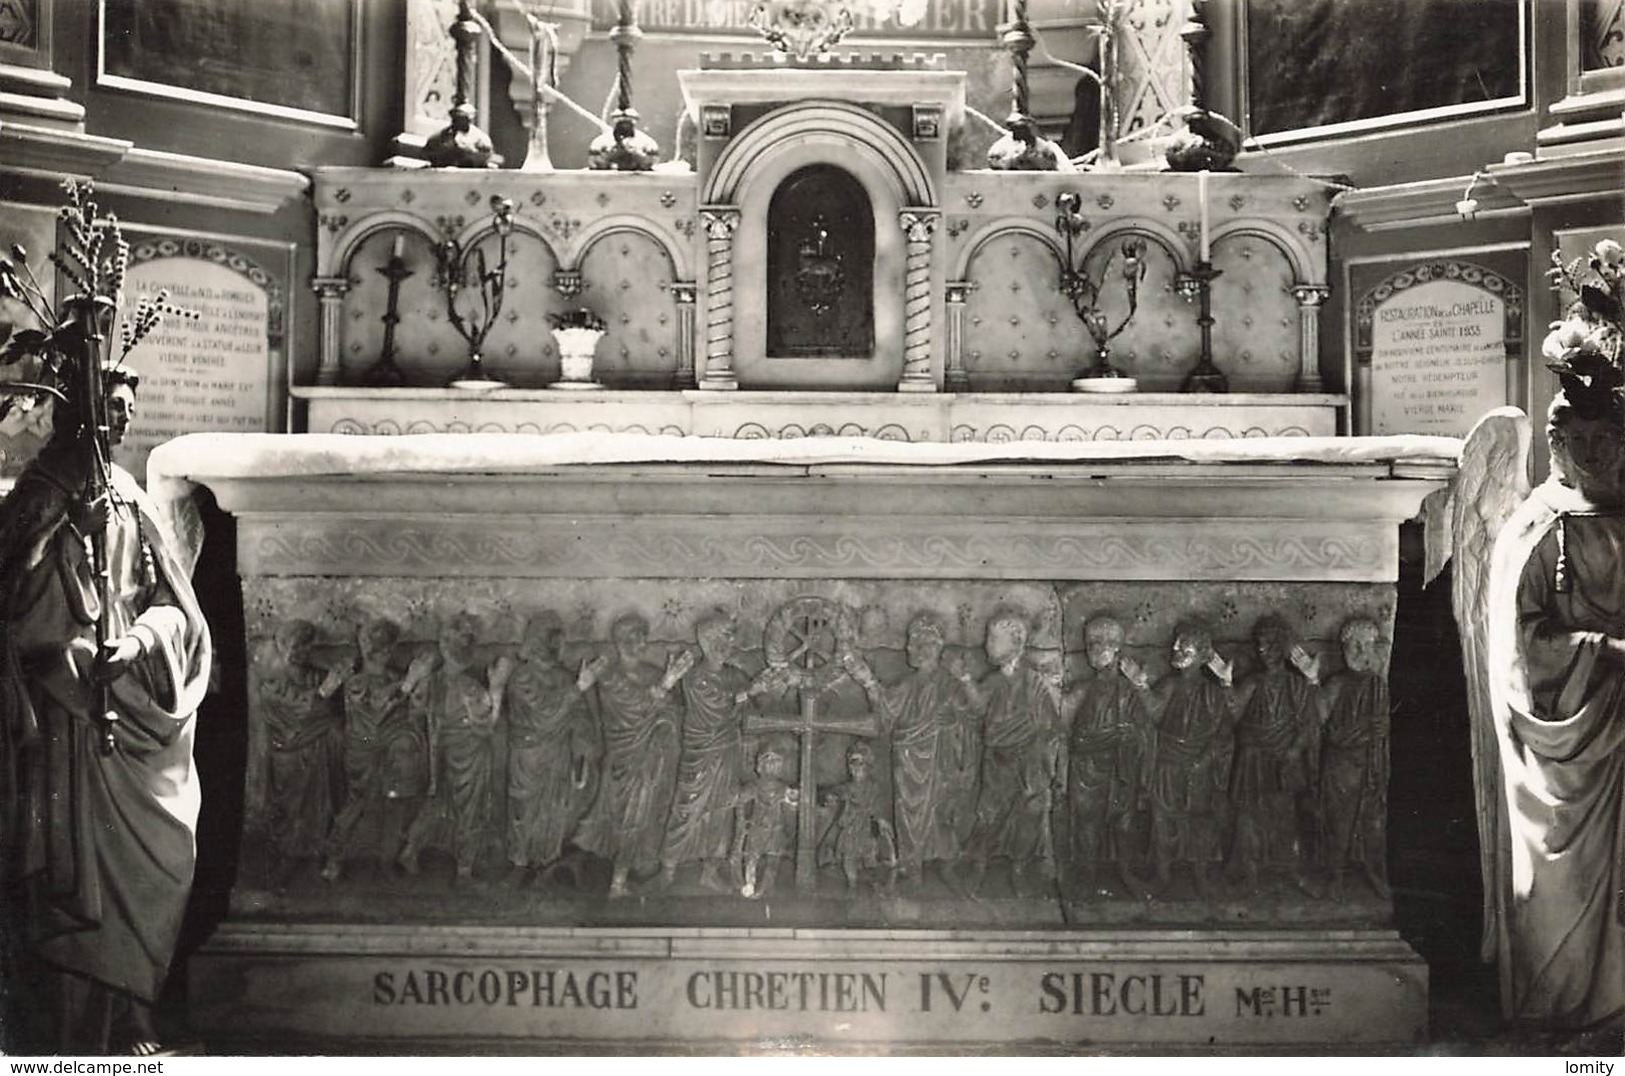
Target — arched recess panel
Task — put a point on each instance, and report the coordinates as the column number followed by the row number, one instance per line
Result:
column 1255, row 330
column 626, row 278
column 1020, row 333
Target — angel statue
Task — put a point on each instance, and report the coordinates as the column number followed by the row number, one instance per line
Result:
column 1540, row 598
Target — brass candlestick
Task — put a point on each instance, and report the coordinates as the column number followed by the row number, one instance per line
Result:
column 1198, row 285
column 384, row 373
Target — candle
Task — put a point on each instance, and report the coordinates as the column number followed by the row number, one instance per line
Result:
column 1201, row 197
column 399, row 248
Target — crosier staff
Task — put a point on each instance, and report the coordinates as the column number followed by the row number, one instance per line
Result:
column 88, row 313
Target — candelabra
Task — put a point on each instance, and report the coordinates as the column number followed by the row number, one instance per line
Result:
column 452, row 265
column 1087, row 296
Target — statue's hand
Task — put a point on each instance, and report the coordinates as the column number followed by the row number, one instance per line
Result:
column 1133, row 672
column 1222, row 669
column 331, row 683
column 116, row 658
column 589, row 672
column 858, row 669
column 90, row 517
column 1306, row 663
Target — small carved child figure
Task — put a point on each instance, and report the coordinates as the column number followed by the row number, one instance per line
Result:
column 1354, row 761
column 860, row 839
column 764, row 822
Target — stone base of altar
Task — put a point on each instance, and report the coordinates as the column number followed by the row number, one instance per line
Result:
column 778, row 990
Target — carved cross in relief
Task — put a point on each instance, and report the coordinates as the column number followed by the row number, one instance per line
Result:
column 805, row 643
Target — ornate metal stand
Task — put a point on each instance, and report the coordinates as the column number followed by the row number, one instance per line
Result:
column 452, row 275
column 1085, row 295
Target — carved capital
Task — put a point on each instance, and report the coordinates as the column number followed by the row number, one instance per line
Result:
column 918, row 225
column 1310, row 295
column 927, row 123
column 567, row 282
column 331, row 288
column 956, row 292
column 682, row 291
column 719, row 222
column 716, row 121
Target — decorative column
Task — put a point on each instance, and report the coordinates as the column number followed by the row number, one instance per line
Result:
column 330, row 292
column 1309, row 297
column 719, row 222
column 918, row 226
column 955, row 377
column 683, row 294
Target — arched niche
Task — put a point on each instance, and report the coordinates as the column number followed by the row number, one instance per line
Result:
column 747, row 176
column 820, row 266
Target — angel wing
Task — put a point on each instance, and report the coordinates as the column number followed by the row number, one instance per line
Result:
column 1492, row 481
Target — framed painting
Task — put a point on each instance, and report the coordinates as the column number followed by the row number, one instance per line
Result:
column 1322, row 68
column 291, row 59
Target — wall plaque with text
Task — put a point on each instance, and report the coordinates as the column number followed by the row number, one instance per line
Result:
column 223, row 370
column 1438, row 336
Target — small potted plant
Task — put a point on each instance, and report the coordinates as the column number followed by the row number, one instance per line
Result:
column 577, row 332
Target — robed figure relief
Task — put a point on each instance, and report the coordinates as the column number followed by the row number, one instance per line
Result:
column 1191, row 767
column 932, row 725
column 1020, row 752
column 640, row 726
column 553, row 748
column 99, row 848
column 386, row 754
column 1276, row 762
column 1109, row 746
column 303, row 745
column 462, row 710
column 1353, row 794
column 712, row 756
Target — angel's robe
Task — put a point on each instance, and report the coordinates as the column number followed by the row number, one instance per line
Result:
column 1556, row 595
column 99, row 845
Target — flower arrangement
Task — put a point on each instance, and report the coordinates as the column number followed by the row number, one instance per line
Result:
column 1587, row 348
column 93, row 258
column 579, row 318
